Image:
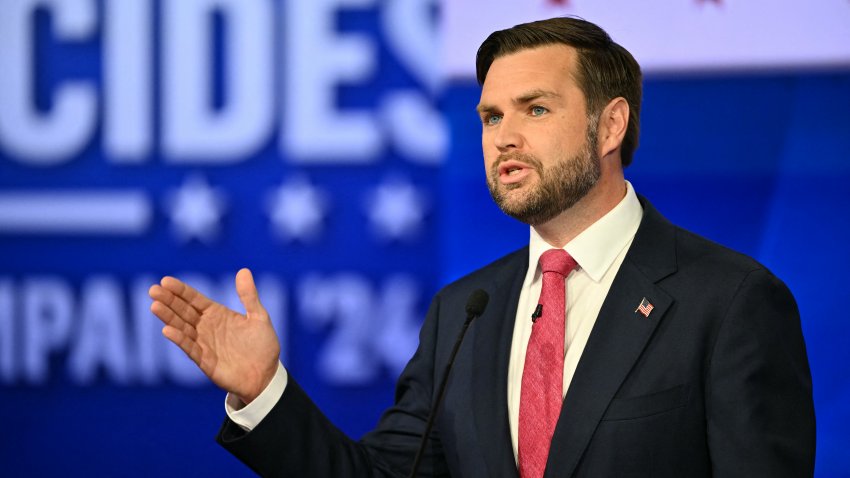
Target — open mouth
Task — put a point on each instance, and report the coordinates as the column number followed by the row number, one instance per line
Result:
column 513, row 171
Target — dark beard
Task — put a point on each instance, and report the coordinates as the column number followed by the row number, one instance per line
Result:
column 561, row 186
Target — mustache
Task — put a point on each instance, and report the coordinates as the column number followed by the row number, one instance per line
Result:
column 528, row 159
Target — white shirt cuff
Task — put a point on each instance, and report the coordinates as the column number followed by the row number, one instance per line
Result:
column 249, row 416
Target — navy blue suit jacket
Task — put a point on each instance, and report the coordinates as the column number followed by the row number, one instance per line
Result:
column 715, row 382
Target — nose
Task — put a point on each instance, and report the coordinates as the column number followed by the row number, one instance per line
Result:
column 508, row 135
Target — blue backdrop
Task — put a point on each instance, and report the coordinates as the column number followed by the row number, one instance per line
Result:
column 305, row 140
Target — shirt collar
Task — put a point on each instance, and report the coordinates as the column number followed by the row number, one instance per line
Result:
column 596, row 248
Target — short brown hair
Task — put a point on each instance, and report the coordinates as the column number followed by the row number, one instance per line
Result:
column 606, row 70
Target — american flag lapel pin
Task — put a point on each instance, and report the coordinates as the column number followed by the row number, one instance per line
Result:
column 645, row 307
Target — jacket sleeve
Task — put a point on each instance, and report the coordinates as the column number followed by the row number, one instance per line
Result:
column 295, row 439
column 759, row 406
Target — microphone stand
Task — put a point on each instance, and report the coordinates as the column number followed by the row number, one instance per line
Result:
column 474, row 308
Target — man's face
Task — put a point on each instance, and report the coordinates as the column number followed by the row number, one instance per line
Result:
column 540, row 151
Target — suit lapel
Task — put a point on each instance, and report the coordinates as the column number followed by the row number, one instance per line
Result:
column 616, row 341
column 492, row 345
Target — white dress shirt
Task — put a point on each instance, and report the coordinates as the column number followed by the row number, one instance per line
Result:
column 599, row 251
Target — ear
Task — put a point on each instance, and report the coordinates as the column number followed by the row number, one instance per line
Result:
column 612, row 126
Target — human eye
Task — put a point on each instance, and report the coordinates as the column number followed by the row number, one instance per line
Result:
column 538, row 110
column 492, row 119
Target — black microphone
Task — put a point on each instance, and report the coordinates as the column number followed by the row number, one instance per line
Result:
column 538, row 312
column 475, row 306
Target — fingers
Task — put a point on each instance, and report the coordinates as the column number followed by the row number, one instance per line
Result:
column 247, row 291
column 179, row 307
column 187, row 345
column 186, row 292
column 169, row 317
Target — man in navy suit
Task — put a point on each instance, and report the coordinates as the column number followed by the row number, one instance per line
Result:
column 681, row 358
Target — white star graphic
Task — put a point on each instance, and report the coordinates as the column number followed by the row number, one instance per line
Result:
column 297, row 210
column 396, row 209
column 196, row 209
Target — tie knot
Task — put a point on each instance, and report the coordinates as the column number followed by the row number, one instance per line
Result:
column 557, row 260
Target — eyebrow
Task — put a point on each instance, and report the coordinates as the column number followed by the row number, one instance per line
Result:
column 522, row 99
column 534, row 95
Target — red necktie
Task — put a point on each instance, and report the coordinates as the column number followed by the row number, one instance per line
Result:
column 543, row 373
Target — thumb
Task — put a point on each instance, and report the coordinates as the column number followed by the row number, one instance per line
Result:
column 248, row 294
